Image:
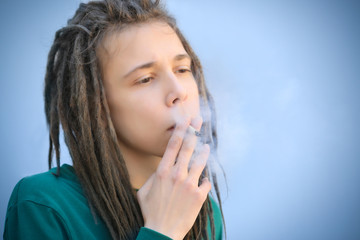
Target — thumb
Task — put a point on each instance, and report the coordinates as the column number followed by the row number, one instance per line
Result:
column 147, row 185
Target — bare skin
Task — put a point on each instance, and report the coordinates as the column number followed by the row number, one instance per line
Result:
column 171, row 199
column 150, row 89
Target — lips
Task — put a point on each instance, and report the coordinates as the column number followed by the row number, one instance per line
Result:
column 171, row 128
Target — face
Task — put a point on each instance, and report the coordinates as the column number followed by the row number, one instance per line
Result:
column 149, row 85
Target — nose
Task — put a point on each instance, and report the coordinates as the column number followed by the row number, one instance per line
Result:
column 177, row 92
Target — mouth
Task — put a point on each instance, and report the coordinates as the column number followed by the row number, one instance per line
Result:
column 171, row 128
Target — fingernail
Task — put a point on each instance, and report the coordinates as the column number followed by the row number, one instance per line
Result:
column 205, row 179
column 196, row 122
column 206, row 147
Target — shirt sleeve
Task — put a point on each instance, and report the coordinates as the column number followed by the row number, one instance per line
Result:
column 147, row 233
column 30, row 220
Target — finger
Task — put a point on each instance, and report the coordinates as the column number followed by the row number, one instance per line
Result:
column 199, row 164
column 185, row 152
column 147, row 185
column 205, row 186
column 197, row 122
column 174, row 145
column 188, row 146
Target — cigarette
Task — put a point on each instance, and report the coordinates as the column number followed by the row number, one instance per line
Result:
column 193, row 131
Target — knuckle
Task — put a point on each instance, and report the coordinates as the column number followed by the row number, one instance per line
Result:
column 162, row 172
column 178, row 176
column 186, row 151
column 189, row 185
column 200, row 196
column 183, row 126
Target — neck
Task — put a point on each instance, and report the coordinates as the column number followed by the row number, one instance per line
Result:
column 139, row 165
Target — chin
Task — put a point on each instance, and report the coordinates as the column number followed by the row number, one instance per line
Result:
column 156, row 150
column 159, row 152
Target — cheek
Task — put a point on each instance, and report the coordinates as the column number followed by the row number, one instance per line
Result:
column 136, row 119
column 193, row 99
column 133, row 116
column 142, row 128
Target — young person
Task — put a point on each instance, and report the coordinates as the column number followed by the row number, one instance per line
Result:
column 126, row 88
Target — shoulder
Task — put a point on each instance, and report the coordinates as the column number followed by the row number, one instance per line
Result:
column 44, row 205
column 41, row 188
column 33, row 187
column 32, row 212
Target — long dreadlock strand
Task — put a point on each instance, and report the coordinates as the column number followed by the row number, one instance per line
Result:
column 75, row 99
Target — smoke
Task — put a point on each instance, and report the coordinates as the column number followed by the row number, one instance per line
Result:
column 207, row 113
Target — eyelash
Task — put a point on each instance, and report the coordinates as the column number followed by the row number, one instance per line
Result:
column 148, row 79
column 144, row 80
column 183, row 70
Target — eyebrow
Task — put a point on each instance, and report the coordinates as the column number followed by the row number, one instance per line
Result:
column 178, row 57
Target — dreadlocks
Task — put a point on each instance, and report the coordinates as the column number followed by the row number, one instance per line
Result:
column 75, row 99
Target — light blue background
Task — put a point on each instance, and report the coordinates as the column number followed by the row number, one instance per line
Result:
column 285, row 78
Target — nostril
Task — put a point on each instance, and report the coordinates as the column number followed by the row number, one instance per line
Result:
column 176, row 95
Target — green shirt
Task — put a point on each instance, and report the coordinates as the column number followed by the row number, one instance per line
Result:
column 43, row 206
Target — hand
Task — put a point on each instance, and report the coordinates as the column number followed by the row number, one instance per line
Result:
column 171, row 199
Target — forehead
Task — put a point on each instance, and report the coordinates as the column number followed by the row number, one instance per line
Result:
column 141, row 42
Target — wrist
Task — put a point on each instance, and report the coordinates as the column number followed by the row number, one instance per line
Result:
column 163, row 230
column 147, row 233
